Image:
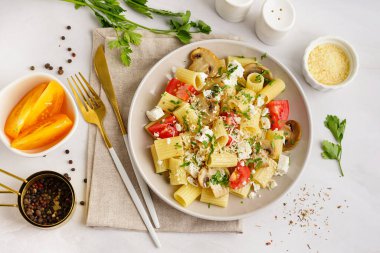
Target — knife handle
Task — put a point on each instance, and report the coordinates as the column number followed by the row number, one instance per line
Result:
column 144, row 187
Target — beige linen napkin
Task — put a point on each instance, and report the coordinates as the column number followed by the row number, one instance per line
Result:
column 109, row 204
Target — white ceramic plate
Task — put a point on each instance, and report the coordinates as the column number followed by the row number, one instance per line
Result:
column 148, row 95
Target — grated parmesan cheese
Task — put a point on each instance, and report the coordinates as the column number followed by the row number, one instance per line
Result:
column 328, row 64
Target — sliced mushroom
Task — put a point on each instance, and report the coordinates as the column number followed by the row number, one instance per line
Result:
column 292, row 133
column 203, row 60
column 203, row 178
column 208, row 108
column 257, row 68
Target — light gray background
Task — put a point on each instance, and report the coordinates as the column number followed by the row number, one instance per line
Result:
column 30, row 35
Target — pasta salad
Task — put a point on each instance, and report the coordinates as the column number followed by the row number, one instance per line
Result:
column 218, row 130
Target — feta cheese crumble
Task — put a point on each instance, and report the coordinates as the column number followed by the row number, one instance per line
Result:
column 168, row 141
column 235, row 70
column 155, row 114
column 178, row 127
column 202, row 136
column 207, row 93
column 244, row 150
column 265, row 122
column 283, row 165
column 265, row 112
column 260, row 101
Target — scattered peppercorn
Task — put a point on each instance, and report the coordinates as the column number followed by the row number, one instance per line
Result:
column 60, row 67
column 69, row 49
column 47, row 65
column 69, row 60
column 73, row 55
column 32, row 68
column 68, row 27
column 50, row 67
column 60, row 72
column 63, row 37
column 67, row 151
column 47, row 201
column 70, row 161
column 72, row 169
column 85, row 180
column 82, row 203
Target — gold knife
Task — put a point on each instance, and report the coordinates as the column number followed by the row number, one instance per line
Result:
column 102, row 72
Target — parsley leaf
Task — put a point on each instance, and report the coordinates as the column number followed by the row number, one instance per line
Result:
column 331, row 150
column 336, row 127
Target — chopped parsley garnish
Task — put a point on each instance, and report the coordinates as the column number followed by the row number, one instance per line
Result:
column 263, row 56
column 175, row 102
column 230, row 70
column 199, row 123
column 258, row 79
column 185, row 164
column 173, row 109
column 205, row 144
column 177, row 145
column 246, row 114
column 278, row 137
column 185, row 123
column 257, row 162
column 257, row 147
column 219, row 178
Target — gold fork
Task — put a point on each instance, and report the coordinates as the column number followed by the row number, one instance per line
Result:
column 94, row 111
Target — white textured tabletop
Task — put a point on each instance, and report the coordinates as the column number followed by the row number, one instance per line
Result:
column 342, row 213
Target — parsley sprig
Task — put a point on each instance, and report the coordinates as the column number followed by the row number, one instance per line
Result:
column 331, row 150
column 110, row 14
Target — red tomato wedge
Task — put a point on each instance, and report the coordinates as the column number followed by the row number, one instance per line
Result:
column 240, row 176
column 164, row 128
column 229, row 118
column 279, row 113
column 180, row 89
column 229, row 140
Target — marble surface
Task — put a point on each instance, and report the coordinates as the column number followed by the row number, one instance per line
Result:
column 346, row 216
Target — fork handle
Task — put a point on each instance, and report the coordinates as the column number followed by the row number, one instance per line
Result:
column 143, row 186
column 134, row 196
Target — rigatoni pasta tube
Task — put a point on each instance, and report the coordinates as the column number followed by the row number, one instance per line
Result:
column 242, row 100
column 187, row 116
column 222, row 160
column 186, row 194
column 272, row 90
column 177, row 174
column 196, row 79
column 255, row 82
column 208, row 197
column 160, row 165
column 242, row 60
column 169, row 103
column 241, row 192
column 264, row 174
column 220, row 133
column 169, row 147
column 251, row 125
column 276, row 137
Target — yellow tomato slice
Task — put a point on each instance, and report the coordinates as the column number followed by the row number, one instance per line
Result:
column 43, row 133
column 49, row 103
column 22, row 110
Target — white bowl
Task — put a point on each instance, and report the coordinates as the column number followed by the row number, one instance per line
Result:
column 11, row 95
column 352, row 57
column 148, row 94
